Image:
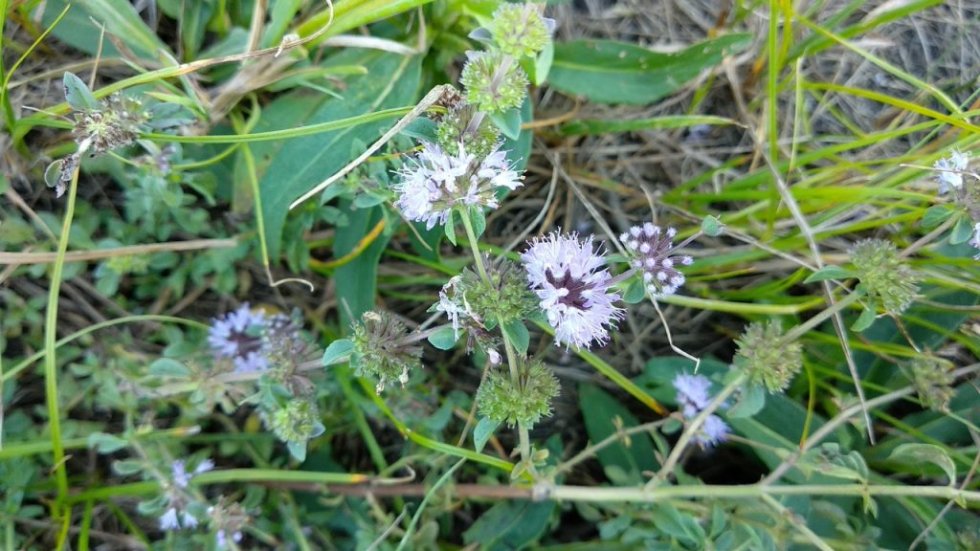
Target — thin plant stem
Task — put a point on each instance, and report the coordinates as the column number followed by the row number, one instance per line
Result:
column 425, row 501
column 524, row 437
column 810, row 536
column 50, row 357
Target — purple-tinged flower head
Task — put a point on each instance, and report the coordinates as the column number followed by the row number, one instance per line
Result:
column 713, row 432
column 574, row 287
column 168, row 520
column 238, row 336
column 221, row 539
column 436, row 182
column 692, row 393
column 180, row 475
column 949, row 169
column 652, row 252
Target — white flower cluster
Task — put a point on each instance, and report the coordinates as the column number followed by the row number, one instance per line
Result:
column 436, row 182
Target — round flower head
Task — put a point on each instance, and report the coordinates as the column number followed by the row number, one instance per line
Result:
column 492, row 83
column 713, row 431
column 569, row 278
column 238, row 336
column 692, row 393
column 437, row 182
column 651, row 249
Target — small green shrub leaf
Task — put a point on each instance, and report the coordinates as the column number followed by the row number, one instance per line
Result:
column 917, row 453
column 483, row 431
column 829, row 272
column 339, row 351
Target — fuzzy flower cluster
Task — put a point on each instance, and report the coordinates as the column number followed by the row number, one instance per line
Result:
column 238, row 337
column 950, row 171
column 693, row 396
column 574, row 289
column 176, row 516
column 437, row 182
column 885, row 275
column 652, row 252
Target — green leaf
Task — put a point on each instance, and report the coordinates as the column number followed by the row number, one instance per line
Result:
column 865, row 320
column 962, row 231
column 936, row 215
column 339, row 351
column 712, row 226
column 479, row 220
column 450, row 227
column 607, row 71
column 509, row 122
column 750, row 402
column 301, row 163
column 168, row 367
column 916, row 454
column 829, row 272
column 106, row 443
column 519, row 335
column 542, row 64
column 635, row 293
column 483, row 431
column 443, row 339
column 596, row 127
column 297, row 450
column 357, row 280
column 123, row 22
column 622, row 463
column 510, row 525
column 127, row 467
column 672, row 522
column 77, row 93
column 828, row 459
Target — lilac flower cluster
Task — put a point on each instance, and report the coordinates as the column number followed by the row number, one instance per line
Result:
column 437, row 182
column 693, row 396
column 574, row 287
column 652, row 250
column 238, row 337
column 950, row 171
column 177, row 516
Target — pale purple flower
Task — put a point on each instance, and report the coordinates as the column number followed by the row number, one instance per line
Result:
column 713, row 432
column 692, row 393
column 574, row 288
column 652, row 250
column 949, row 170
column 436, row 182
column 189, row 520
column 168, row 520
column 238, row 336
column 453, row 304
column 221, row 539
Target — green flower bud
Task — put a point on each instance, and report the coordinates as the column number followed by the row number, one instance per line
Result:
column 493, row 83
column 933, row 380
column 527, row 402
column 381, row 349
column 454, row 130
column 506, row 298
column 766, row 358
column 886, row 277
column 519, row 30
column 297, row 422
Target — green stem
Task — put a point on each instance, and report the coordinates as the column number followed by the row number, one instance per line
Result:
column 425, row 501
column 824, row 315
column 50, row 359
column 515, row 376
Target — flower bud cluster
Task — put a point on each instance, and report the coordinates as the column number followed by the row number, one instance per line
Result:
column 767, row 358
column 382, row 349
column 884, row 275
column 933, row 380
column 525, row 401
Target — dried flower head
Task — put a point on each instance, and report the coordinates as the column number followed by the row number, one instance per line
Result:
column 527, row 402
column 519, row 30
column 950, row 171
column 437, row 182
column 455, row 132
column 652, row 250
column 227, row 520
column 933, row 380
column 885, row 276
column 573, row 288
column 116, row 123
column 238, row 336
column 297, row 422
column 383, row 349
column 494, row 83
column 766, row 357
